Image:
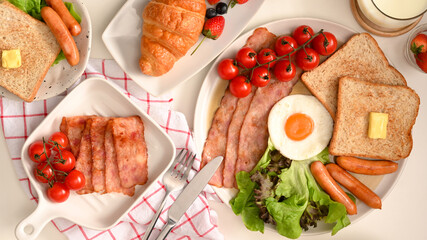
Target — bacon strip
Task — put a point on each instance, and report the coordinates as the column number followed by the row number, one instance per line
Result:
column 233, row 139
column 84, row 160
column 131, row 150
column 73, row 127
column 254, row 134
column 112, row 179
column 216, row 141
column 261, row 38
column 97, row 132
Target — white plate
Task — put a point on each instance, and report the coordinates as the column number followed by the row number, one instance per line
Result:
column 94, row 96
column 122, row 37
column 62, row 75
column 213, row 89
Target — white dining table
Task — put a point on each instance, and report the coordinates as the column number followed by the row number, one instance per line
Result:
column 404, row 209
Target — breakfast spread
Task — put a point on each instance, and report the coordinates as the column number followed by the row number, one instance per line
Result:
column 270, row 140
column 169, row 30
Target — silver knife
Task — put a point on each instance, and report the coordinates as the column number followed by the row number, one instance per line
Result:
column 189, row 194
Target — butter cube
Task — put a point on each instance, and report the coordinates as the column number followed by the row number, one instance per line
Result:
column 11, row 58
column 377, row 125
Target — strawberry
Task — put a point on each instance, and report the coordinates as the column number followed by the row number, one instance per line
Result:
column 212, row 29
column 234, row 2
column 421, row 59
column 419, row 44
column 213, row 2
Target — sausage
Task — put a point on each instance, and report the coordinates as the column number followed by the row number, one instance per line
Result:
column 71, row 23
column 62, row 35
column 368, row 167
column 360, row 190
column 328, row 184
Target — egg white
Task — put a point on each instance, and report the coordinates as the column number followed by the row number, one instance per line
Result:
column 315, row 142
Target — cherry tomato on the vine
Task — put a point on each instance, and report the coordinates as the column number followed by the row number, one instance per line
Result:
column 246, row 57
column 240, row 86
column 75, row 180
column 302, row 34
column 285, row 45
column 324, row 46
column 284, row 71
column 307, row 59
column 227, row 69
column 60, row 138
column 65, row 164
column 37, row 152
column 43, row 172
column 260, row 77
column 58, row 192
column 266, row 55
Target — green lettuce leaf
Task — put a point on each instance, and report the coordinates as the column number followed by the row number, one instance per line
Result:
column 244, row 203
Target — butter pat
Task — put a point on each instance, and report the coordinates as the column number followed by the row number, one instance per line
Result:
column 11, row 58
column 377, row 125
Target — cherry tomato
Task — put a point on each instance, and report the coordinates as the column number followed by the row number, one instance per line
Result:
column 260, row 77
column 60, row 138
column 421, row 60
column 37, row 153
column 75, row 180
column 284, row 71
column 65, row 164
column 308, row 59
column 302, row 34
column 227, row 69
column 419, row 44
column 58, row 192
column 43, row 172
column 285, row 45
column 240, row 86
column 266, row 55
column 325, row 46
column 246, row 57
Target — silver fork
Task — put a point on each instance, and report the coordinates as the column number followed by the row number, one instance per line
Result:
column 174, row 179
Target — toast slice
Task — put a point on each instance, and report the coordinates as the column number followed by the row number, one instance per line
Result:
column 360, row 57
column 356, row 99
column 38, row 48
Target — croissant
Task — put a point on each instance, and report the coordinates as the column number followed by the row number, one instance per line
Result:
column 170, row 28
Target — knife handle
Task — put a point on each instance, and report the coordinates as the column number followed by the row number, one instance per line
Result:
column 166, row 229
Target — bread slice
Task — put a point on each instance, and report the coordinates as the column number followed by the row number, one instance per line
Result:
column 360, row 57
column 356, row 99
column 37, row 45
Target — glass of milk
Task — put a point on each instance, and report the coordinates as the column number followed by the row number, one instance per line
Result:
column 392, row 15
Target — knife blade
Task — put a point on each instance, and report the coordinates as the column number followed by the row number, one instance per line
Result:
column 189, row 194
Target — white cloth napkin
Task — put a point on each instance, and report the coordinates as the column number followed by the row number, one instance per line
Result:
column 199, row 222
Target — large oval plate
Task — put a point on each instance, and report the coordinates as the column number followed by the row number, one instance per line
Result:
column 213, row 89
column 62, row 76
column 122, row 37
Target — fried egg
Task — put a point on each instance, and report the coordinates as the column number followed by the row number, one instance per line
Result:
column 300, row 127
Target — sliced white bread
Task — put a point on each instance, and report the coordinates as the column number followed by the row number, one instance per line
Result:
column 37, row 45
column 359, row 57
column 356, row 99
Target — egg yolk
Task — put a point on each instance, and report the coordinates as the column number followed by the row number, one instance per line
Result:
column 299, row 126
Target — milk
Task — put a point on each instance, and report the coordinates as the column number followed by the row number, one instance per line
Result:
column 392, row 14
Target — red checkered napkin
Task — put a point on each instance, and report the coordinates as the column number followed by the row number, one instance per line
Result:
column 20, row 118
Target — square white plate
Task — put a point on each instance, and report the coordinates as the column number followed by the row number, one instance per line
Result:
column 96, row 211
column 122, row 37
